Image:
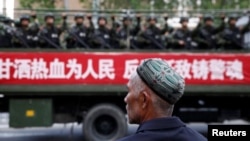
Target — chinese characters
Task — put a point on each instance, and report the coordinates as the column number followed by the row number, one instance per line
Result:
column 113, row 69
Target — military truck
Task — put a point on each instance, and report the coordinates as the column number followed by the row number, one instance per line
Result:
column 42, row 87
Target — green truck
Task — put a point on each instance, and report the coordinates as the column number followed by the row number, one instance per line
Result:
column 42, row 87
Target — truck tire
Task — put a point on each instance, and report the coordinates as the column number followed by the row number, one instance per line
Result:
column 104, row 122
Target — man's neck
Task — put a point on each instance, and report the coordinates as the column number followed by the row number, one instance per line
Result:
column 152, row 114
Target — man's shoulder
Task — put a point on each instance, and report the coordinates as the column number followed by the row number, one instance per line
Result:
column 128, row 138
column 134, row 137
column 158, row 136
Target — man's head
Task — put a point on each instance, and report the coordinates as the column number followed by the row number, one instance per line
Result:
column 152, row 20
column 232, row 19
column 49, row 19
column 102, row 20
column 79, row 18
column 152, row 91
column 25, row 20
column 126, row 20
column 184, row 22
column 208, row 20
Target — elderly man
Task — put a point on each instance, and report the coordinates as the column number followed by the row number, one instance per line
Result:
column 152, row 92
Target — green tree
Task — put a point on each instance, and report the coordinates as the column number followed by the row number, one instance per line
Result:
column 121, row 4
column 41, row 7
column 173, row 4
column 49, row 4
column 222, row 4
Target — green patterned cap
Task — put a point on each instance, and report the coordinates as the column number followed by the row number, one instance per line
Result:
column 162, row 79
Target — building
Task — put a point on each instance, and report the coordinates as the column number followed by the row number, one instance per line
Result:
column 13, row 8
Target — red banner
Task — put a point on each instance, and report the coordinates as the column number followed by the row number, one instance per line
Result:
column 116, row 68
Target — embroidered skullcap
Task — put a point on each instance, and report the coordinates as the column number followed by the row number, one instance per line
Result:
column 162, row 79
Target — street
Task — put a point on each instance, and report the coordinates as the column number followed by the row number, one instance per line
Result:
column 60, row 132
column 70, row 131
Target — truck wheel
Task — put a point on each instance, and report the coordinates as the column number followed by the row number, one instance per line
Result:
column 104, row 122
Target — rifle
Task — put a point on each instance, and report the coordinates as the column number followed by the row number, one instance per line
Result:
column 48, row 41
column 233, row 40
column 178, row 35
column 103, row 43
column 210, row 42
column 16, row 35
column 133, row 44
column 78, row 39
column 155, row 42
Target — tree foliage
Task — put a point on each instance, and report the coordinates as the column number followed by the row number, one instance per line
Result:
column 172, row 4
column 222, row 4
column 147, row 4
column 50, row 4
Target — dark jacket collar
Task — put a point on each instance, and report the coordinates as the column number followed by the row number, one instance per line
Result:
column 160, row 123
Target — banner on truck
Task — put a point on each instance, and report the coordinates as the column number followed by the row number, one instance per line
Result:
column 116, row 67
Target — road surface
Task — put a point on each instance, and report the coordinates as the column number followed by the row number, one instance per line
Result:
column 71, row 131
column 59, row 132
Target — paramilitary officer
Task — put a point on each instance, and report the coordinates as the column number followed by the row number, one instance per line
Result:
column 127, row 34
column 34, row 23
column 49, row 34
column 6, row 31
column 78, row 35
column 246, row 35
column 205, row 35
column 181, row 38
column 167, row 30
column 232, row 35
column 24, row 37
column 2, row 32
column 151, row 37
column 103, row 36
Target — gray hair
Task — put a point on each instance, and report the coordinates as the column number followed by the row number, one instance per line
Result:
column 160, row 104
column 137, row 83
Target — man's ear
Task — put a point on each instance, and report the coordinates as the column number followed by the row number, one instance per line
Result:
column 145, row 99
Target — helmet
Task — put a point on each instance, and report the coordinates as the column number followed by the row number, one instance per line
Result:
column 2, row 18
column 49, row 15
column 102, row 17
column 151, row 17
column 25, row 17
column 117, row 24
column 79, row 16
column 126, row 17
column 208, row 18
column 17, row 22
column 233, row 17
column 183, row 19
column 7, row 20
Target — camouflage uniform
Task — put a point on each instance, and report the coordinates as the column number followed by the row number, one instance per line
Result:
column 127, row 34
column 182, row 37
column 206, row 35
column 6, row 31
column 151, row 37
column 23, row 35
column 232, row 36
column 102, row 37
column 78, row 35
column 49, row 35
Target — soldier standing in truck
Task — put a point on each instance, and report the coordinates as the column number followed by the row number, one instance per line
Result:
column 49, row 34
